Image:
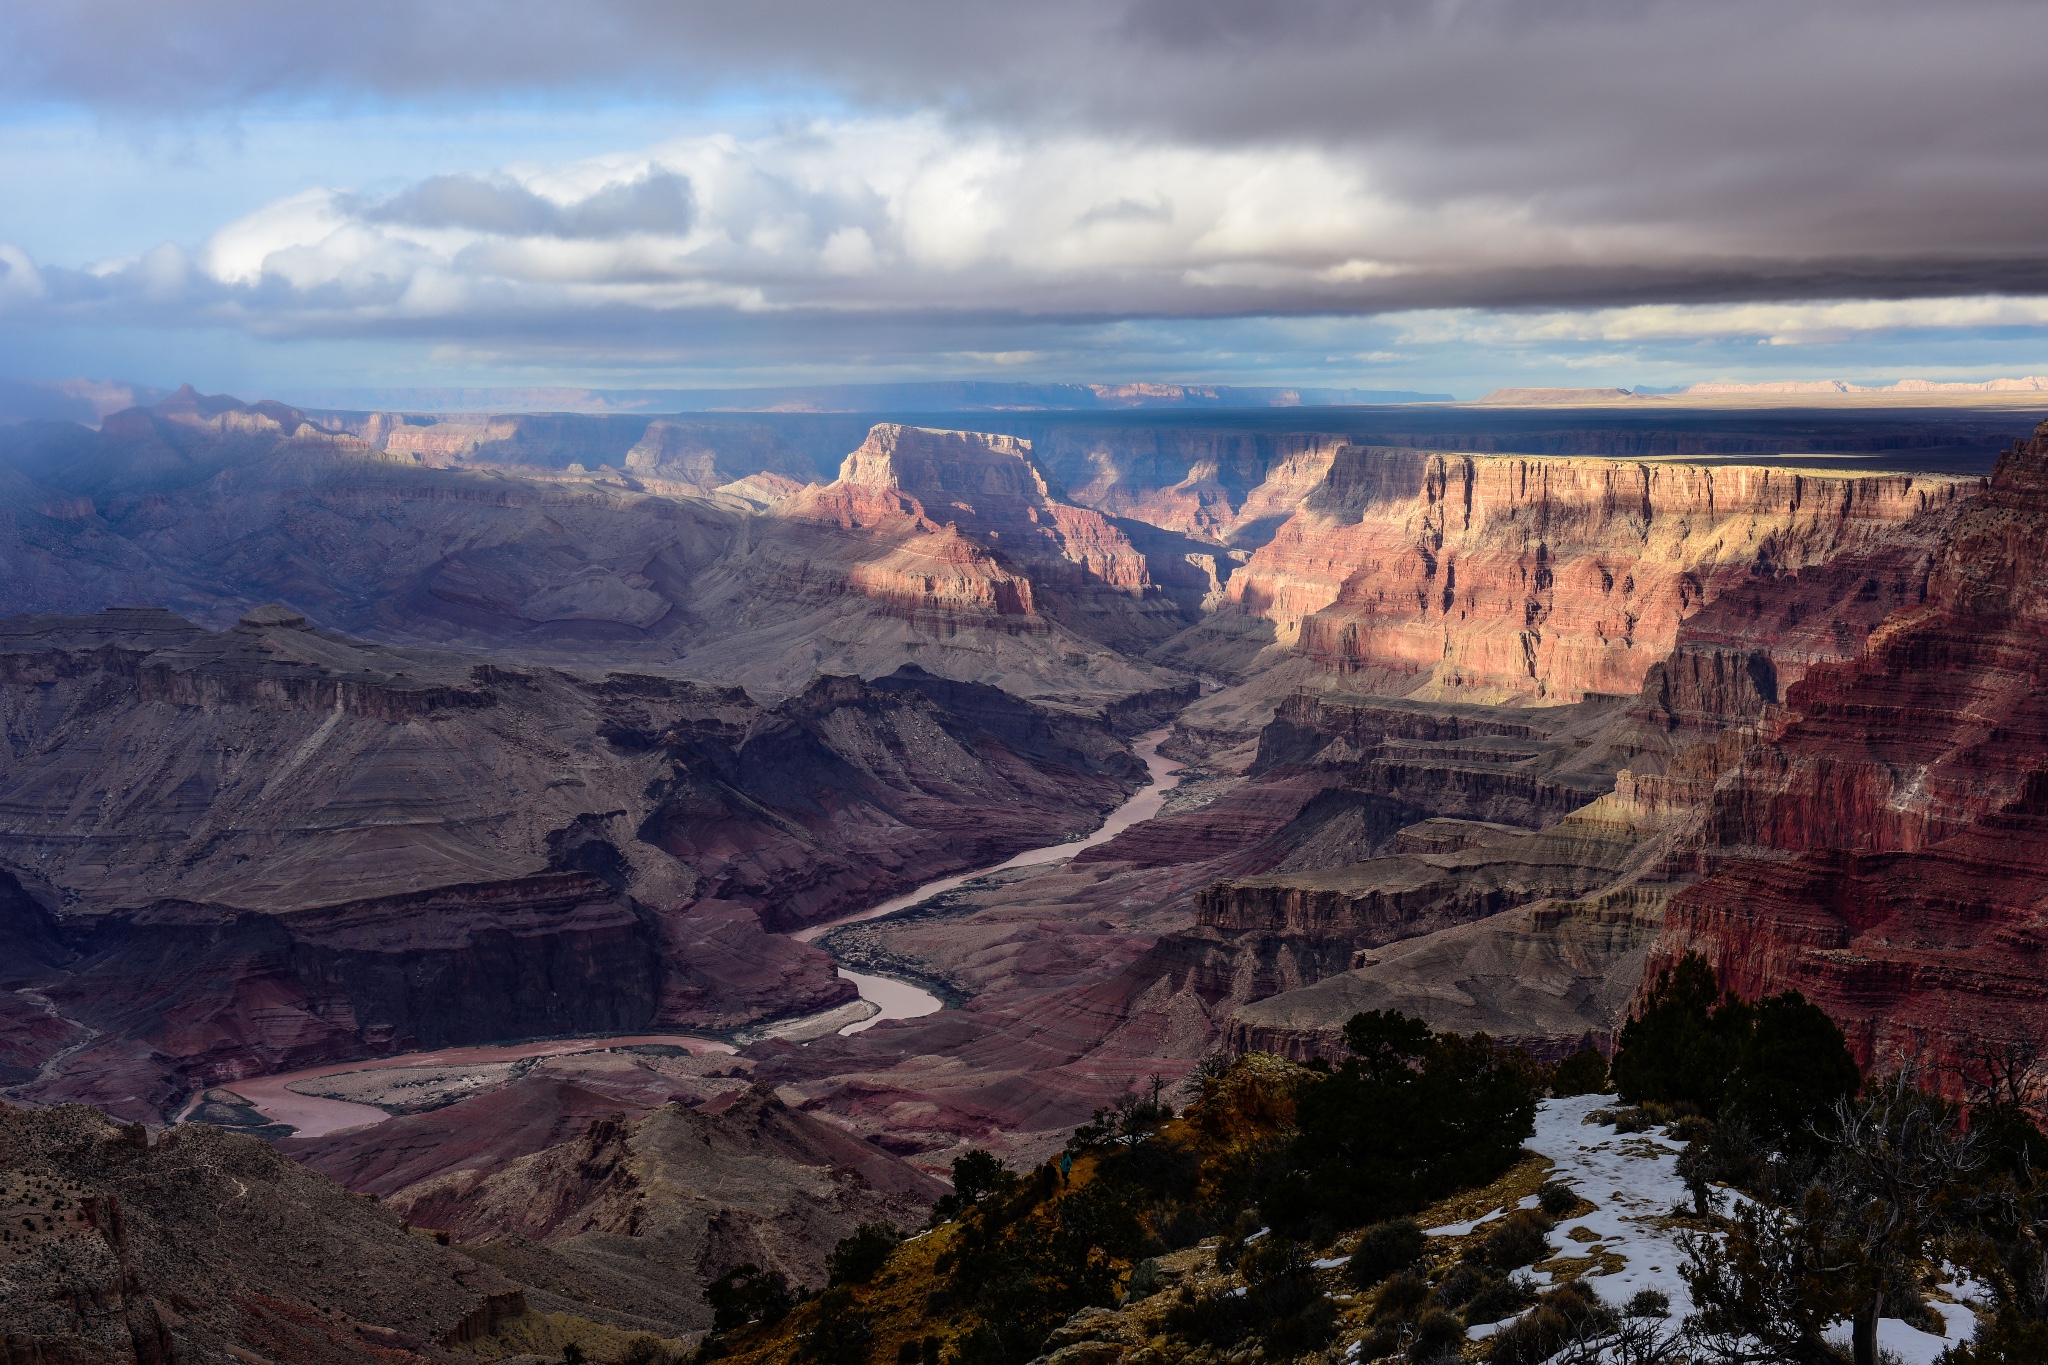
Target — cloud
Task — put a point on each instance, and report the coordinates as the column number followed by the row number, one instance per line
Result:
column 1779, row 324
column 20, row 282
column 912, row 218
column 1574, row 184
column 656, row 202
column 1591, row 153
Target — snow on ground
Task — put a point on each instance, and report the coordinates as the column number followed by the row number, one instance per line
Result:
column 1633, row 1178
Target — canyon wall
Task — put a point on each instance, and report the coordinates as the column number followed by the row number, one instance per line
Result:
column 209, row 507
column 1881, row 848
column 1500, row 579
column 242, row 851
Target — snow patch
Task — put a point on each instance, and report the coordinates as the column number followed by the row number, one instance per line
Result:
column 1633, row 1178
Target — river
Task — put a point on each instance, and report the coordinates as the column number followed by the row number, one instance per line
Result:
column 901, row 999
column 315, row 1116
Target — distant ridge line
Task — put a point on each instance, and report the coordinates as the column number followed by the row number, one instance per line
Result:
column 934, row 396
column 1773, row 388
column 2028, row 384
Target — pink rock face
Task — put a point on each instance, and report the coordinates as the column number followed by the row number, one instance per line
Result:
column 1497, row 578
column 1882, row 850
column 949, row 524
column 1228, row 488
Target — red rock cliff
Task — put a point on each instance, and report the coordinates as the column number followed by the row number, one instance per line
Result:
column 1884, row 850
column 1494, row 577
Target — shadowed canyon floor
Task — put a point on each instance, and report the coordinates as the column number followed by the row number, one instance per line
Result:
column 349, row 739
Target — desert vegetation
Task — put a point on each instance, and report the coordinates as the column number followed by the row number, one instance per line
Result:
column 1312, row 1212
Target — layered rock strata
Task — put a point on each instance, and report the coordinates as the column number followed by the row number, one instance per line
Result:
column 1494, row 578
column 208, row 507
column 1503, row 868
column 973, row 527
column 1880, row 849
column 244, row 851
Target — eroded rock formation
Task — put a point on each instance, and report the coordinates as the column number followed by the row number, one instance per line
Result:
column 1493, row 578
column 1880, row 850
column 677, row 1196
column 269, row 846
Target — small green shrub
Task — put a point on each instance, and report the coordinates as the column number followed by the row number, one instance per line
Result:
column 1458, row 1286
column 839, row 1333
column 1557, row 1199
column 1385, row 1248
column 1401, row 1297
column 856, row 1259
column 1496, row 1299
column 645, row 1349
column 978, row 1174
column 1544, row 1330
column 1437, row 1334
column 1648, row 1303
column 747, row 1294
column 1582, row 1073
column 1382, row 1340
column 1522, row 1238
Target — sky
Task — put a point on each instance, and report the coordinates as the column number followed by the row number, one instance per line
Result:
column 1446, row 195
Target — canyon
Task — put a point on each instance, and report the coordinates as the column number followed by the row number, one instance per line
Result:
column 338, row 738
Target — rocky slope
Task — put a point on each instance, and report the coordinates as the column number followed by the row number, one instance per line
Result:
column 932, row 545
column 675, row 1198
column 247, row 850
column 206, row 1246
column 1880, row 849
column 208, row 507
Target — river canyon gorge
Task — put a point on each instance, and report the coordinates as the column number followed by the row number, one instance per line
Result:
column 647, row 845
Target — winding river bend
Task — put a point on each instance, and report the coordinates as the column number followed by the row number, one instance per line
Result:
column 901, row 999
column 315, row 1116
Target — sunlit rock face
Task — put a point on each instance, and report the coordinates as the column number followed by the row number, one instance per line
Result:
column 1494, row 578
column 1883, row 849
column 1229, row 488
column 945, row 524
column 1481, row 717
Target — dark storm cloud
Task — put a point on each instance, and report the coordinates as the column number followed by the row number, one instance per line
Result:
column 1619, row 150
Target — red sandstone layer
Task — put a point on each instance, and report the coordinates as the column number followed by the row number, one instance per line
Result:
column 1883, row 850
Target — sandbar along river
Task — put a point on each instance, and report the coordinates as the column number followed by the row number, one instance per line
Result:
column 315, row 1116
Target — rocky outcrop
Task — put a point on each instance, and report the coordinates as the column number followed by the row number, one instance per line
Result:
column 203, row 1245
column 558, row 953
column 682, row 1195
column 1549, row 980
column 1880, row 848
column 1494, row 578
column 973, row 528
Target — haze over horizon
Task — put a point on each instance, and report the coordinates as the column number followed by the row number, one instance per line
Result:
column 1427, row 197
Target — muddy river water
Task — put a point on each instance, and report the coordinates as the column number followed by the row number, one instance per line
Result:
column 315, row 1116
